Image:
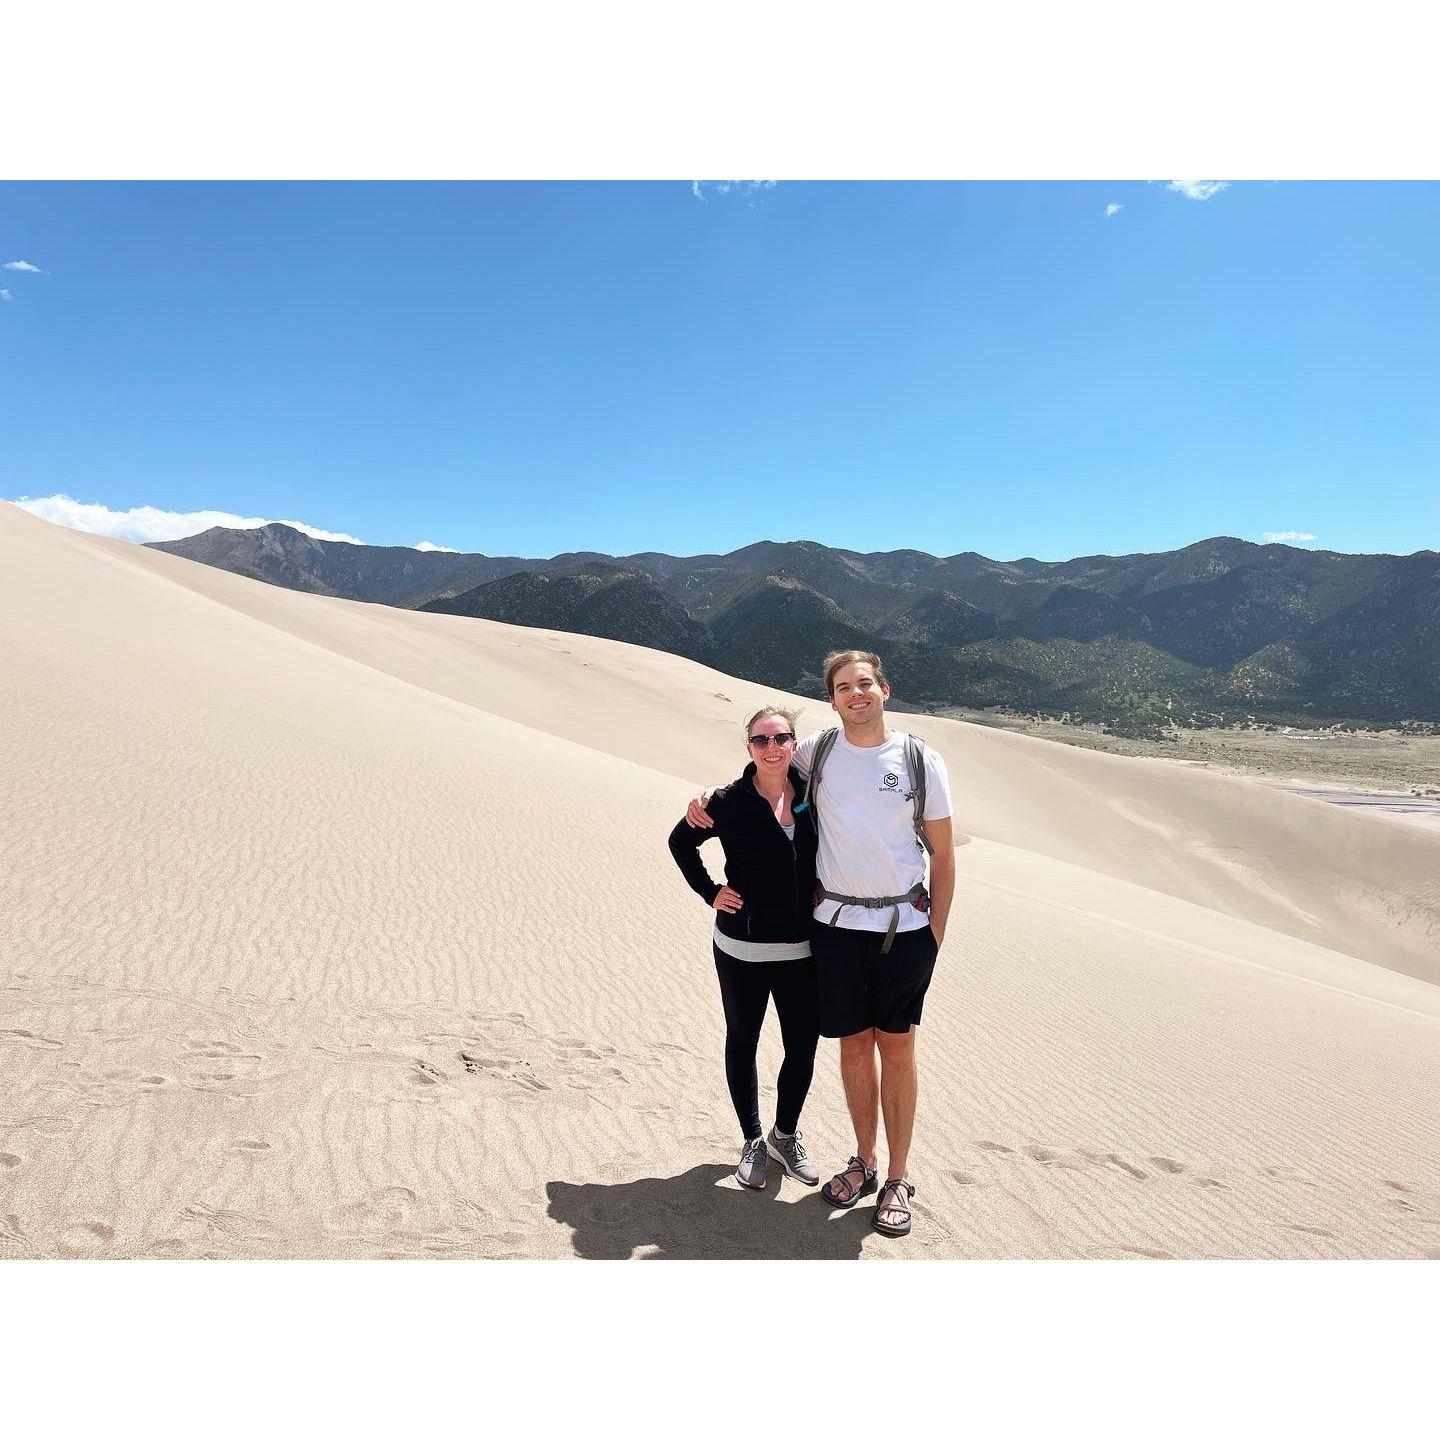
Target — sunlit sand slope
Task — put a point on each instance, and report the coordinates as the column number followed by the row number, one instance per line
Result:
column 334, row 930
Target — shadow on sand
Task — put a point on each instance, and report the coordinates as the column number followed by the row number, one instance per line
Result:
column 694, row 1216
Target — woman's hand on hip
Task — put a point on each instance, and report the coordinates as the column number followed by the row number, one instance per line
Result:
column 728, row 900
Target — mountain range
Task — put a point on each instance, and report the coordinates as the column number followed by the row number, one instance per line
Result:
column 1220, row 630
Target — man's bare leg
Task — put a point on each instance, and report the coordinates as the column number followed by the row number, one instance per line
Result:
column 862, row 1091
column 899, row 1088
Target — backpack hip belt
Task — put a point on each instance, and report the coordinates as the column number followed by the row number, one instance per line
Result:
column 917, row 895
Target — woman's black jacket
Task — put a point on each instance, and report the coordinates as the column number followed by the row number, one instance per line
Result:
column 775, row 878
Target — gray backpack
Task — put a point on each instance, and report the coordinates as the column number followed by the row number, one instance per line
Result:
column 914, row 773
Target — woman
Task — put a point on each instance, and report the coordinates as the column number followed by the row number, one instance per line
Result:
column 761, row 945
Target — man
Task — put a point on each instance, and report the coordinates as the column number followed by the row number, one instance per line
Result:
column 875, row 933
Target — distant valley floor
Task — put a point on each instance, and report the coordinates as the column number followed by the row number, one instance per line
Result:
column 1380, row 771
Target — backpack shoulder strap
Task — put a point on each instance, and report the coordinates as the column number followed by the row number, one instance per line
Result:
column 915, row 769
column 823, row 746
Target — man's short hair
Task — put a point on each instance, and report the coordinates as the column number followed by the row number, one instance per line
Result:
column 839, row 659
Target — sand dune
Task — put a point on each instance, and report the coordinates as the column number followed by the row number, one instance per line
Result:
column 328, row 929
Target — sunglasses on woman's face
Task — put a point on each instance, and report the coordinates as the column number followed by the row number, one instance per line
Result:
column 762, row 742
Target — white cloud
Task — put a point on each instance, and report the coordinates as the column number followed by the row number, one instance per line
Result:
column 1198, row 189
column 145, row 522
column 1280, row 537
column 724, row 187
column 23, row 265
column 1113, row 210
column 444, row 549
column 5, row 295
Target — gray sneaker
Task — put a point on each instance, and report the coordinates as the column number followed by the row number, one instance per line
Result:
column 793, row 1159
column 751, row 1170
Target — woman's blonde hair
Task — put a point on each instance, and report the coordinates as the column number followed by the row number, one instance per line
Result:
column 764, row 713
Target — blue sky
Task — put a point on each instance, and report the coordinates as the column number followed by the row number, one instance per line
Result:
column 533, row 368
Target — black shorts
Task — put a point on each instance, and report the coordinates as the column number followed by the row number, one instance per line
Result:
column 861, row 989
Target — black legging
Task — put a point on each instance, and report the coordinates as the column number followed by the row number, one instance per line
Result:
column 745, row 988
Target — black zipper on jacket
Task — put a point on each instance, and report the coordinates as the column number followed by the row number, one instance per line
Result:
column 794, row 861
column 790, row 841
column 794, row 872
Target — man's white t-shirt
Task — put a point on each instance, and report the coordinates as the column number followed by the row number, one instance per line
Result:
column 867, row 826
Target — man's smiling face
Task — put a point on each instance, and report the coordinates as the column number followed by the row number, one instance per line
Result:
column 857, row 696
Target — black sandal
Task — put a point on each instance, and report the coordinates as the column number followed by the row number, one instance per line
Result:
column 867, row 1186
column 897, row 1204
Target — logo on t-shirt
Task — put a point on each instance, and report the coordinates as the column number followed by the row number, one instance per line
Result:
column 890, row 784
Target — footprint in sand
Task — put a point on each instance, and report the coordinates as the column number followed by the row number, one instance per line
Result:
column 562, row 1064
column 474, row 1061
column 232, row 1224
column 386, row 1209
column 86, row 1238
column 1312, row 1230
column 251, row 1147
column 1424, row 1205
column 130, row 1078
column 1174, row 1167
column 1122, row 1164
column 212, row 1047
column 48, row 1124
column 1040, row 1153
column 1108, row 1158
column 1287, row 1173
column 1044, row 1155
column 1114, row 1252
column 963, row 1177
column 502, row 1067
column 211, row 1063
column 8, row 1161
column 38, row 1042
